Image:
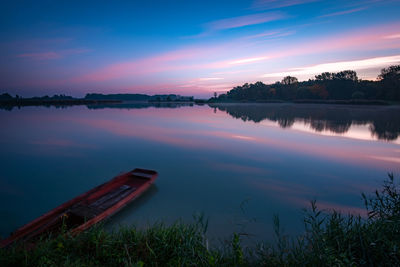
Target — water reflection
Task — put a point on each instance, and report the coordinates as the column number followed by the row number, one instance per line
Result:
column 208, row 161
column 138, row 105
column 122, row 105
column 124, row 216
column 383, row 122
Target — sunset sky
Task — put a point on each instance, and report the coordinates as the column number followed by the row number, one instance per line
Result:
column 189, row 47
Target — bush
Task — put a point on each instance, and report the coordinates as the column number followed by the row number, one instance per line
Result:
column 337, row 240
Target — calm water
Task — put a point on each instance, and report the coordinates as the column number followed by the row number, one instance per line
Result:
column 239, row 164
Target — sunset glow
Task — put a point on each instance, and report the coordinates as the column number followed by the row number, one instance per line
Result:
column 169, row 49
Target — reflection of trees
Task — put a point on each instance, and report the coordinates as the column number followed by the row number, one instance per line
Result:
column 333, row 126
column 139, row 105
column 388, row 129
column 338, row 119
column 8, row 108
column 286, row 123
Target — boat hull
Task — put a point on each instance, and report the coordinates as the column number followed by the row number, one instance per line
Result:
column 87, row 209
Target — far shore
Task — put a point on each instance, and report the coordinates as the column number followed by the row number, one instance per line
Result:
column 308, row 101
column 125, row 100
column 51, row 102
column 9, row 104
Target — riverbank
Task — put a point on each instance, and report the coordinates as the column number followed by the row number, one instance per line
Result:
column 329, row 239
column 22, row 102
column 8, row 102
column 313, row 101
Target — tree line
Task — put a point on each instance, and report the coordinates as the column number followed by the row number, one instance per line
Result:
column 8, row 97
column 343, row 85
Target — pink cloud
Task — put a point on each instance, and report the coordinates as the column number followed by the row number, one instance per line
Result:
column 393, row 36
column 247, row 60
column 196, row 57
column 365, row 39
column 369, row 63
column 169, row 61
column 183, row 65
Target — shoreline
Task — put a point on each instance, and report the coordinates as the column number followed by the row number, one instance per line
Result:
column 312, row 101
column 76, row 102
column 52, row 102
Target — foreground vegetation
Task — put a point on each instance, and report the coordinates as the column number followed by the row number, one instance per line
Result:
column 329, row 240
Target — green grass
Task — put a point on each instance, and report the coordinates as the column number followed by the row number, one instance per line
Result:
column 329, row 239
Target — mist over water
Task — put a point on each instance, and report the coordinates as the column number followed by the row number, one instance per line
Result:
column 239, row 164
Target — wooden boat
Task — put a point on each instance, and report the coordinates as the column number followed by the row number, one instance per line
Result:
column 87, row 209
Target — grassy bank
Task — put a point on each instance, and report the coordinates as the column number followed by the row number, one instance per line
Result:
column 329, row 239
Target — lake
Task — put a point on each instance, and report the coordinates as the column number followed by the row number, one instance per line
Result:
column 238, row 164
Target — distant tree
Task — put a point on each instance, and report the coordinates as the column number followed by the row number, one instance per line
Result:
column 390, row 83
column 288, row 80
column 325, row 76
column 327, row 85
column 5, row 96
column 346, row 75
column 215, row 94
column 392, row 72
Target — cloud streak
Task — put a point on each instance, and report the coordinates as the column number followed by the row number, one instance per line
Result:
column 270, row 34
column 272, row 4
column 41, row 55
column 247, row 60
column 237, row 22
column 48, row 55
column 392, row 36
column 377, row 62
column 344, row 12
column 195, row 69
column 210, row 79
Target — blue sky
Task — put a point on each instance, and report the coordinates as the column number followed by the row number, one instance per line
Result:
column 189, row 47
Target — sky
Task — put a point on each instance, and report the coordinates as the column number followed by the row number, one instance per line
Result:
column 189, row 47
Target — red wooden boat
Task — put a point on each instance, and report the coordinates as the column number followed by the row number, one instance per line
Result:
column 87, row 209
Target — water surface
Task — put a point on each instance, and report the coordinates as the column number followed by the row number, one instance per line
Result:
column 239, row 164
